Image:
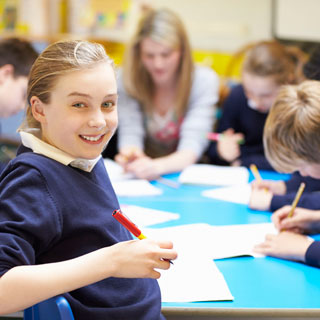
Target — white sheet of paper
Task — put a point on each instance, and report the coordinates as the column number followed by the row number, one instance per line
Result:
column 144, row 217
column 238, row 240
column 193, row 277
column 115, row 171
column 135, row 187
column 125, row 185
column 217, row 241
column 237, row 194
column 206, row 174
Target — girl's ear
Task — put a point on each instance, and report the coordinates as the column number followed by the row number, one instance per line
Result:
column 37, row 108
column 6, row 71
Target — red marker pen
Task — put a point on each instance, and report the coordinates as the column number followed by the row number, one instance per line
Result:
column 128, row 224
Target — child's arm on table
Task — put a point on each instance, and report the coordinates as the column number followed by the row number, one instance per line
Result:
column 285, row 245
column 23, row 286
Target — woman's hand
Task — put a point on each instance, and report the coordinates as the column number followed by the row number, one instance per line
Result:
column 145, row 168
column 128, row 154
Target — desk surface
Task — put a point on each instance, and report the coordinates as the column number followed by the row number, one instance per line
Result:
column 258, row 285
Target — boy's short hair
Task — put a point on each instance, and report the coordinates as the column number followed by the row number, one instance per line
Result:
column 19, row 53
column 292, row 129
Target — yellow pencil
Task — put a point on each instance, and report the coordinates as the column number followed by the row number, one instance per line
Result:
column 255, row 172
column 296, row 199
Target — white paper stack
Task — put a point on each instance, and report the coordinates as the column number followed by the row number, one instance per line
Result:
column 206, row 174
column 125, row 185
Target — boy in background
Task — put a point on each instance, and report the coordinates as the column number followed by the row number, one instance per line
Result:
column 16, row 59
column 282, row 193
column 292, row 143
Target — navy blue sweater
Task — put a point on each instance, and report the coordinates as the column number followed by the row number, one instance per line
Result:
column 313, row 254
column 236, row 114
column 310, row 198
column 49, row 213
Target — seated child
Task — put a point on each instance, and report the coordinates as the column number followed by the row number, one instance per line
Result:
column 57, row 232
column 283, row 192
column 292, row 143
column 16, row 59
column 266, row 67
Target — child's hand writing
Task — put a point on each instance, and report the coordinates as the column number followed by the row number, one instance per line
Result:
column 302, row 221
column 260, row 199
column 275, row 187
column 140, row 258
column 285, row 245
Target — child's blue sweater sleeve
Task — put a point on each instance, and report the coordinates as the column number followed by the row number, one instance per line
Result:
column 309, row 200
column 293, row 183
column 312, row 256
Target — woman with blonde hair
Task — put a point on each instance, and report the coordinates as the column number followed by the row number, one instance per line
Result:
column 166, row 103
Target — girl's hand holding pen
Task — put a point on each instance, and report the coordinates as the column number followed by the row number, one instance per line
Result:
column 140, row 258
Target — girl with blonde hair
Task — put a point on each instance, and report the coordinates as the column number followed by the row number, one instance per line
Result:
column 57, row 233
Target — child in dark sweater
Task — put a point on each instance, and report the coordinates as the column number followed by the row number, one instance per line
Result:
column 292, row 143
column 57, row 233
column 282, row 193
column 266, row 67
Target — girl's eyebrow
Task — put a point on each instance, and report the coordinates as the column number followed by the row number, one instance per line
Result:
column 75, row 93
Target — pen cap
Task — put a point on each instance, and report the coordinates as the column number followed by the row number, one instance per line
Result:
column 126, row 222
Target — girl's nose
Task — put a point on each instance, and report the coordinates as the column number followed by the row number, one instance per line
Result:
column 97, row 120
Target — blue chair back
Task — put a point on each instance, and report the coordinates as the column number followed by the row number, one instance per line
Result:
column 56, row 308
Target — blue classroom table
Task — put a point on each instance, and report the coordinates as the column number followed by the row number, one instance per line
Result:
column 264, row 288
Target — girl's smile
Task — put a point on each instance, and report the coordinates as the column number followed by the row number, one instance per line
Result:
column 93, row 139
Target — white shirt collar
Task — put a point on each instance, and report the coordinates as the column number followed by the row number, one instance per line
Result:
column 30, row 139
